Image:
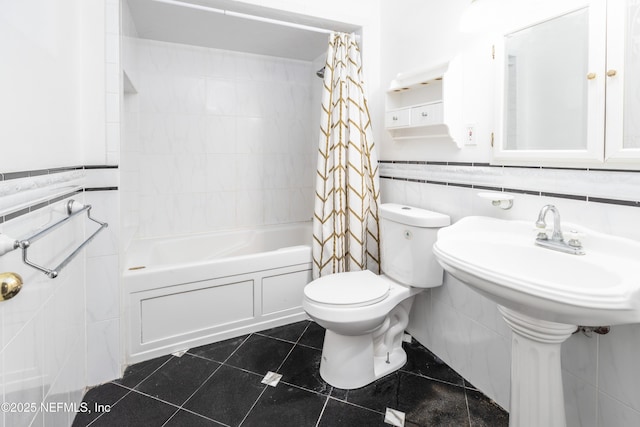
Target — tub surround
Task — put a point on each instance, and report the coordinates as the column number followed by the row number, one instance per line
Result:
column 193, row 290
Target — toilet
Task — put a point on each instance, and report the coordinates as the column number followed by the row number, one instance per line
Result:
column 364, row 314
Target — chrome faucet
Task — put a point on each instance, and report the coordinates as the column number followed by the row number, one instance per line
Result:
column 557, row 241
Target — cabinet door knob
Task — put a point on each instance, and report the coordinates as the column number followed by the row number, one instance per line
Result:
column 591, row 76
column 611, row 73
column 424, row 114
column 395, row 117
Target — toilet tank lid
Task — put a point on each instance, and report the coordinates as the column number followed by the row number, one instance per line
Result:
column 413, row 216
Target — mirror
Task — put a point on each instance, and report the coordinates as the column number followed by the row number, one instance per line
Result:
column 631, row 82
column 545, row 88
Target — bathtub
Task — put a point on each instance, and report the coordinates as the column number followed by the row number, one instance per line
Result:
column 182, row 292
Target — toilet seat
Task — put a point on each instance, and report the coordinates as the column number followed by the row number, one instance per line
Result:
column 352, row 289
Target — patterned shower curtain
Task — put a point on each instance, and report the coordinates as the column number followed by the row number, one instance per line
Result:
column 345, row 221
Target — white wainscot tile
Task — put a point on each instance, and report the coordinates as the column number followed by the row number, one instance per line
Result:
column 112, row 78
column 618, row 373
column 113, row 136
column 463, row 299
column 452, row 201
column 221, row 134
column 112, row 48
column 221, row 97
column 477, row 353
column 580, row 357
column 107, row 177
column 102, row 288
column 23, row 371
column 106, row 208
column 61, row 329
column 392, row 191
column 614, row 413
column 69, row 387
column 113, row 107
column 102, row 351
column 580, row 401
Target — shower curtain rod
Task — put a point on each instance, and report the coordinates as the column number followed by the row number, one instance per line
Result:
column 245, row 16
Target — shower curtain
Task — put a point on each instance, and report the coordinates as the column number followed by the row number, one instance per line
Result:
column 345, row 220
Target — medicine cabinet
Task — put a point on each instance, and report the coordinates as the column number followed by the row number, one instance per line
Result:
column 416, row 108
column 568, row 90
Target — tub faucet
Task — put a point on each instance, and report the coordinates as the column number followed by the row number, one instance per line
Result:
column 557, row 242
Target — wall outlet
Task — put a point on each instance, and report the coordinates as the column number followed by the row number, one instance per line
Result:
column 470, row 135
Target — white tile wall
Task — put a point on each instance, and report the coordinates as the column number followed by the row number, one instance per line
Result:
column 43, row 329
column 465, row 329
column 224, row 140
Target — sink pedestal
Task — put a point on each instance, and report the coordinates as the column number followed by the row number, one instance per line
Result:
column 536, row 380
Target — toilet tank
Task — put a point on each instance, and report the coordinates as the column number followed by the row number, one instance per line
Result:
column 407, row 235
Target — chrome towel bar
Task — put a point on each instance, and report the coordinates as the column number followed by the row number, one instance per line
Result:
column 73, row 209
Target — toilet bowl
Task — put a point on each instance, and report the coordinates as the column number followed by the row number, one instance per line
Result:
column 365, row 314
column 355, row 351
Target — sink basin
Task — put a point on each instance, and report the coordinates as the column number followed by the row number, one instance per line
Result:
column 542, row 294
column 499, row 259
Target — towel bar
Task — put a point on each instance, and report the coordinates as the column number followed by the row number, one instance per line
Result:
column 73, row 208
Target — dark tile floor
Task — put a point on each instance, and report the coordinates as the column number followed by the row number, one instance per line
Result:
column 220, row 384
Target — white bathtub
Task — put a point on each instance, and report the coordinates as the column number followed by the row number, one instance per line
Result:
column 182, row 292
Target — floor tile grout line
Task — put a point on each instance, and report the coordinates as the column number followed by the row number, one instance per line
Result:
column 178, row 407
column 112, row 405
column 169, row 419
column 466, row 401
column 253, row 406
column 322, row 412
column 433, row 379
column 292, row 347
column 198, row 388
column 147, row 377
column 237, row 348
column 279, row 367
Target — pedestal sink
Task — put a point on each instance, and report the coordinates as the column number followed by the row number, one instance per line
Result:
column 543, row 295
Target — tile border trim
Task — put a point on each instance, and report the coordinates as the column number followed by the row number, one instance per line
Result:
column 39, row 172
column 521, row 191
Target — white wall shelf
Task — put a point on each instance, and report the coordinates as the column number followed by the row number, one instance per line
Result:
column 416, row 107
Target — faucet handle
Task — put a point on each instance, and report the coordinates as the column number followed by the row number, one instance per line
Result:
column 573, row 238
column 543, row 232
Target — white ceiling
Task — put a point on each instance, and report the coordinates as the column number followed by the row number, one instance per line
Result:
column 179, row 24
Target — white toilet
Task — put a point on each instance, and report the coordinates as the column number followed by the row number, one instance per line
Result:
column 365, row 315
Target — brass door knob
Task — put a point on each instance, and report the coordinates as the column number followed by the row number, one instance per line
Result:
column 591, row 76
column 611, row 73
column 10, row 285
